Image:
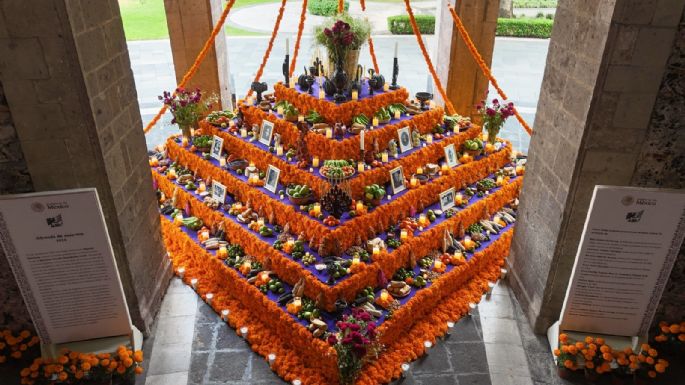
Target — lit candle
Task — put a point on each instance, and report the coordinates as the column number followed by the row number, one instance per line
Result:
column 247, row 266
column 209, row 298
column 384, row 296
column 181, row 272
column 438, row 265
column 317, row 209
column 444, row 167
column 223, row 253
column 397, row 114
column 413, row 182
column 485, row 136
column 297, row 304
column 315, row 161
column 423, row 220
column 292, row 82
column 204, row 235
column 290, row 243
column 374, row 122
column 376, row 250
column 360, row 167
column 329, row 133
column 172, row 173
column 386, row 87
column 222, row 162
column 178, row 220
column 264, row 275
column 243, row 133
column 466, row 158
column 192, row 132
column 243, row 331
column 279, row 110
column 184, row 142
column 458, row 198
column 500, row 181
column 322, row 95
column 355, row 260
column 224, row 315
column 360, row 207
column 427, row 345
column 429, row 138
column 251, row 164
column 403, row 235
column 520, row 170
column 202, row 187
column 419, row 170
column 384, row 157
column 260, row 222
column 355, row 95
column 300, row 118
column 272, row 358
column 193, row 283
column 279, row 150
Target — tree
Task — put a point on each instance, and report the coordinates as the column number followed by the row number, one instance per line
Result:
column 506, row 8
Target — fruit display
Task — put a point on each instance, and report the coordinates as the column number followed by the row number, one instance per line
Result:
column 373, row 194
column 337, row 169
column 220, row 118
column 299, row 193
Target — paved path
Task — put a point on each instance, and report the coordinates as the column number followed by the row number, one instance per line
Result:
column 518, row 64
column 262, row 17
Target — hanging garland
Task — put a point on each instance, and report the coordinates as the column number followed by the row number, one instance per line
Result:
column 300, row 28
column 271, row 44
column 417, row 33
column 482, row 64
column 341, row 6
column 372, row 52
column 198, row 60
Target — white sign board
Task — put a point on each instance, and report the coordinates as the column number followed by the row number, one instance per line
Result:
column 627, row 250
column 59, row 250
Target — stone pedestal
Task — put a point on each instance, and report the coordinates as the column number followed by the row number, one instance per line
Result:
column 463, row 80
column 610, row 112
column 75, row 122
column 190, row 23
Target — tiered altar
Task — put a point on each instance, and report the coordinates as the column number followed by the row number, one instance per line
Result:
column 329, row 219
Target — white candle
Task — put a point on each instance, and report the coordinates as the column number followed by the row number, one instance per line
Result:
column 374, row 122
column 396, row 44
column 209, row 298
column 243, row 133
column 272, row 358
column 361, row 139
column 279, row 150
column 222, row 162
column 384, row 157
column 300, row 118
column 243, row 331
column 397, row 114
column 279, row 110
column 322, row 95
column 429, row 138
column 224, row 314
column 360, row 167
column 329, row 133
column 386, row 87
column 355, row 95
column 193, row 283
column 315, row 161
column 181, row 272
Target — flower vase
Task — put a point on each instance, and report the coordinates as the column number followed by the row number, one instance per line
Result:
column 185, row 131
column 493, row 131
column 350, row 62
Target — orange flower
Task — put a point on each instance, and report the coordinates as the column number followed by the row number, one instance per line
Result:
column 605, row 349
column 674, row 329
column 651, row 374
column 645, row 347
column 599, row 341
column 589, row 364
column 568, row 364
column 649, row 360
column 85, row 366
column 104, row 362
column 660, row 368
column 138, row 356
column 139, row 369
column 572, row 349
column 652, row 352
column 681, row 337
column 62, row 376
column 580, row 345
column 607, row 356
column 589, row 340
column 557, row 352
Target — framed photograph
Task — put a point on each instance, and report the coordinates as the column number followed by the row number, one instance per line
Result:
column 451, row 156
column 219, row 192
column 404, row 139
column 266, row 132
column 272, row 175
column 217, row 147
column 397, row 180
column 447, row 199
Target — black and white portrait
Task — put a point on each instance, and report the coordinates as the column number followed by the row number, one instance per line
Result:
column 397, row 180
column 404, row 136
column 217, row 147
column 447, row 199
column 451, row 156
column 272, row 175
column 266, row 132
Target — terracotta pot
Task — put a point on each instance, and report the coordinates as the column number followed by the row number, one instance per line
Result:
column 564, row 373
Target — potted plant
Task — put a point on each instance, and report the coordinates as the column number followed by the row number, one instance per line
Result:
column 343, row 36
column 187, row 107
column 566, row 357
column 646, row 365
column 494, row 117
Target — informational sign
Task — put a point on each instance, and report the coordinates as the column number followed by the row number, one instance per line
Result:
column 627, row 250
column 60, row 253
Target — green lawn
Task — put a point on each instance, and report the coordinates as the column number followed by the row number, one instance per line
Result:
column 145, row 19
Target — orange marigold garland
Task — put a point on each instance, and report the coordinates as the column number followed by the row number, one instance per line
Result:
column 300, row 28
column 267, row 53
column 482, row 64
column 341, row 6
column 198, row 60
column 419, row 39
column 372, row 52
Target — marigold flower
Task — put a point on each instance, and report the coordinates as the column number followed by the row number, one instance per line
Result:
column 121, row 369
column 85, row 366
column 580, row 345
column 78, row 374
column 568, row 364
column 62, row 376
column 138, row 356
column 649, row 360
column 589, row 364
column 16, row 355
column 628, row 350
column 599, row 341
column 128, row 362
column 589, row 340
column 652, row 352
column 605, row 349
column 25, row 334
column 645, row 347
column 138, row 370
column 572, row 349
column 62, row 359
column 681, row 337
column 557, row 352
column 25, row 372
column 660, row 368
column 665, row 329
column 564, row 348
column 607, row 356
column 674, row 329
column 563, row 337
column 651, row 374
column 104, row 362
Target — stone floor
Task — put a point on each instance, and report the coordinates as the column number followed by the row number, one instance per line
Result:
column 518, row 64
column 192, row 346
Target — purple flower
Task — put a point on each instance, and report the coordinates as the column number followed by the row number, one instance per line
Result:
column 332, row 339
column 355, row 327
column 495, row 102
column 490, row 112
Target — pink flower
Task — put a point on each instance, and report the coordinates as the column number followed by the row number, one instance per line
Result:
column 490, row 112
column 332, row 339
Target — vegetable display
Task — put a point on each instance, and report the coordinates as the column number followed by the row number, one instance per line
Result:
column 339, row 168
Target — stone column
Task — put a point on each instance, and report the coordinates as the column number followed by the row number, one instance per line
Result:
column 190, row 23
column 464, row 82
column 610, row 112
column 67, row 79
